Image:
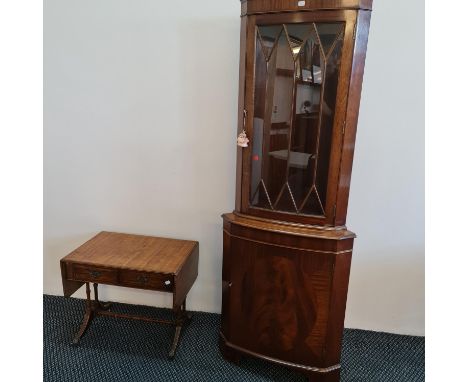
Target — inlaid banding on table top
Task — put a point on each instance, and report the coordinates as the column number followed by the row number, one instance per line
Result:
column 118, row 250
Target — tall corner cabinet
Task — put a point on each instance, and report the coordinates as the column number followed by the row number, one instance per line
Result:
column 286, row 249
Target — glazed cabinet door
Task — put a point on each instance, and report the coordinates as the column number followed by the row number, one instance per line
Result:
column 296, row 84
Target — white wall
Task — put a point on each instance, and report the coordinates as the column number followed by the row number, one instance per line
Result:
column 140, row 105
column 386, row 206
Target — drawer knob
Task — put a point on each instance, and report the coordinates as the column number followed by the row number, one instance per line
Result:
column 142, row 279
column 95, row 273
column 167, row 282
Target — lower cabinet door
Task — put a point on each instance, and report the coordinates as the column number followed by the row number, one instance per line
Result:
column 279, row 300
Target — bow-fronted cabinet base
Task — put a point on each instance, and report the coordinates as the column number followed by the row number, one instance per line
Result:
column 284, row 294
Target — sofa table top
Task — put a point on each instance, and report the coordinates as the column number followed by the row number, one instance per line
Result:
column 138, row 252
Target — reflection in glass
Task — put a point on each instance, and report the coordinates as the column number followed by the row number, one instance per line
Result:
column 273, row 125
column 297, row 34
column 296, row 78
column 328, row 33
column 317, row 199
column 259, row 112
column 267, row 36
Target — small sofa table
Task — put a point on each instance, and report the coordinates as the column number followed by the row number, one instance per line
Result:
column 133, row 261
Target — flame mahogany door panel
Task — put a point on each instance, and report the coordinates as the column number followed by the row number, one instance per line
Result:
column 286, row 295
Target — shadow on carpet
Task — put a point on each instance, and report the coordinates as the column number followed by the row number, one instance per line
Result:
column 130, row 351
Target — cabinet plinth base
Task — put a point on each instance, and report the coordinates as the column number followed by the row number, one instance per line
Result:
column 234, row 354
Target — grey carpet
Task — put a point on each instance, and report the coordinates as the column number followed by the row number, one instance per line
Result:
column 130, row 351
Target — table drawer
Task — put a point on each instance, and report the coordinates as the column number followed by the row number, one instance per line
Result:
column 95, row 274
column 145, row 280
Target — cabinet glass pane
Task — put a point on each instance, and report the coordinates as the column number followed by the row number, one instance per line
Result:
column 296, row 79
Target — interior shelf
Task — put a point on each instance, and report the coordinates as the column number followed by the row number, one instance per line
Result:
column 296, row 159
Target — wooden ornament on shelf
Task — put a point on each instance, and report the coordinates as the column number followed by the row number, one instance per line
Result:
column 286, row 249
